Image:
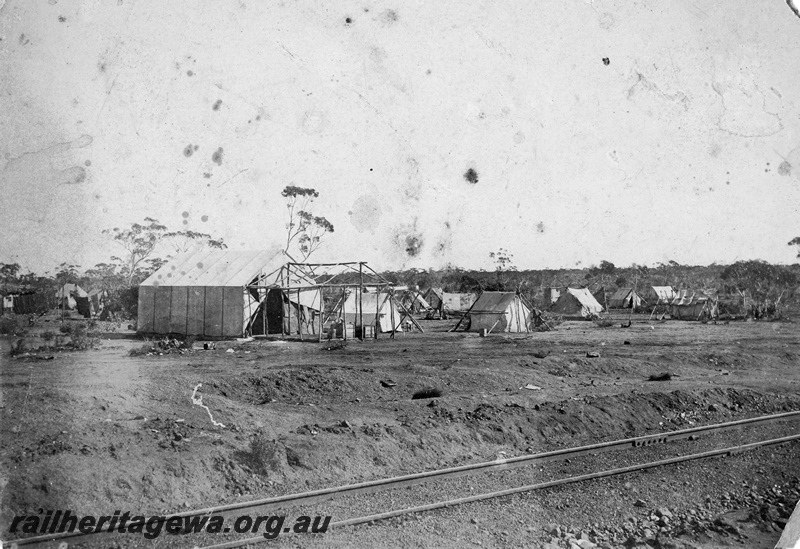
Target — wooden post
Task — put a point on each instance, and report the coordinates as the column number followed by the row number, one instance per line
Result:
column 344, row 314
column 377, row 311
column 321, row 311
column 283, row 317
column 299, row 316
column 361, row 298
column 264, row 314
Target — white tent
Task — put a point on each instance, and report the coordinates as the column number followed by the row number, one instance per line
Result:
column 577, row 302
column 373, row 303
column 499, row 312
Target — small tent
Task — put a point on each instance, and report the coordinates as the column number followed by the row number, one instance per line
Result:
column 68, row 296
column 434, row 298
column 693, row 305
column 380, row 304
column 413, row 301
column 499, row 312
column 625, row 298
column 663, row 294
column 577, row 302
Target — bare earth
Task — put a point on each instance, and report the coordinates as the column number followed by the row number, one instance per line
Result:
column 99, row 430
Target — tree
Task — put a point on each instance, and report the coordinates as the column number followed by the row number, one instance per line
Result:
column 503, row 261
column 139, row 241
column 796, row 242
column 302, row 225
column 66, row 273
column 183, row 241
column 8, row 273
column 758, row 277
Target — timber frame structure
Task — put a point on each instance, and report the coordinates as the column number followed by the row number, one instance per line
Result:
column 304, row 289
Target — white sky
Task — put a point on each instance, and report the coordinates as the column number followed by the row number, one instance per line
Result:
column 686, row 146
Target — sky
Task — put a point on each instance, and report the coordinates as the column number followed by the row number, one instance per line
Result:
column 633, row 132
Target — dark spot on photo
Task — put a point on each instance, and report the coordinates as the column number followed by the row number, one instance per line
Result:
column 188, row 151
column 101, row 67
column 62, row 19
column 185, row 214
column 189, row 73
column 217, row 104
column 87, row 163
column 606, row 61
column 540, row 227
column 207, row 175
column 23, row 40
column 185, row 222
column 196, row 147
column 204, row 218
column 784, row 168
column 413, row 245
column 428, row 71
column 389, row 16
column 258, row 117
column 471, row 176
column 348, row 20
column 217, row 156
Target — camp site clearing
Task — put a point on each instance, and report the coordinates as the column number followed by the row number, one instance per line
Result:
column 289, row 415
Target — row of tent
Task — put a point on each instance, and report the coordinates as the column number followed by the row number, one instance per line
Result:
column 69, row 297
column 680, row 304
column 223, row 293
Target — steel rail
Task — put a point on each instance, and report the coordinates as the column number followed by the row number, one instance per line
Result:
column 733, row 450
column 372, row 486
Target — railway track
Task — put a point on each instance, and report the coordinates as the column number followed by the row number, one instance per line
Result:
column 268, row 505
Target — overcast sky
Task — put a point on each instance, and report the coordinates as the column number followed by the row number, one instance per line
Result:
column 627, row 131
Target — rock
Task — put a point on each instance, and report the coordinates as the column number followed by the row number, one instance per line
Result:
column 553, row 529
column 663, row 512
column 712, row 408
column 640, row 503
column 586, row 544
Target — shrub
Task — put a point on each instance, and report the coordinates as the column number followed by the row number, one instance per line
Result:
column 264, row 455
column 65, row 329
column 10, row 325
column 48, row 335
column 122, row 303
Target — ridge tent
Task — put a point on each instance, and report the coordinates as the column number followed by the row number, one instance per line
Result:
column 693, row 305
column 203, row 293
column 664, row 294
column 625, row 298
column 66, row 296
column 434, row 297
column 413, row 301
column 381, row 303
column 499, row 312
column 577, row 302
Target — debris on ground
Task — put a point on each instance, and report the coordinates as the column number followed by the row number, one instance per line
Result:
column 429, row 392
column 664, row 376
column 592, row 354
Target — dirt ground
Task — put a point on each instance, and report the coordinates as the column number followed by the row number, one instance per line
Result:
column 98, row 430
